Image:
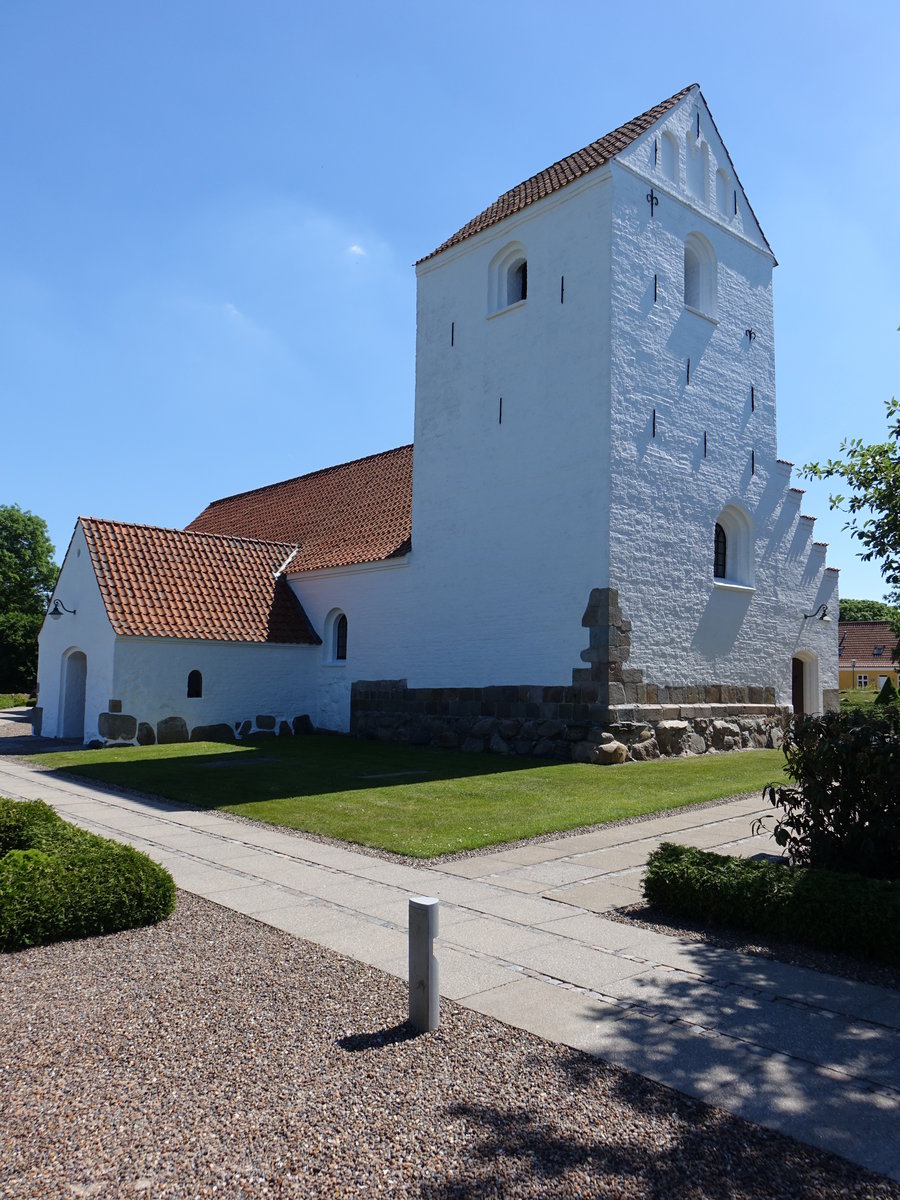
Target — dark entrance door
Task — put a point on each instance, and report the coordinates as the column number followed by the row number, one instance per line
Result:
column 797, row 685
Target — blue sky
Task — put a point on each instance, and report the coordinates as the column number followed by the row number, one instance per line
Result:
column 210, row 213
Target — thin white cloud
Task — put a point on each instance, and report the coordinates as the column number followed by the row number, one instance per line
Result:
column 355, row 249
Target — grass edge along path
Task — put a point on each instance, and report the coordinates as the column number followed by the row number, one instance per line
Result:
column 406, row 800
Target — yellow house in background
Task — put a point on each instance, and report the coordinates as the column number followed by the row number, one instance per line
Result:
column 865, row 655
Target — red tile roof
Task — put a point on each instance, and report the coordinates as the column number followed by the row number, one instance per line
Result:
column 171, row 583
column 357, row 512
column 857, row 641
column 568, row 169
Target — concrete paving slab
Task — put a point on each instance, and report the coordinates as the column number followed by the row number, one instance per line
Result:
column 482, row 867
column 498, row 938
column 598, row 896
column 710, row 837
column 572, row 962
column 380, row 870
column 592, row 929
column 617, row 858
column 278, row 868
column 308, row 919
column 202, row 880
column 513, row 882
column 256, row 898
column 541, row 1007
column 460, row 975
column 535, row 852
column 372, row 900
column 885, row 1011
column 558, row 873
column 517, row 907
column 368, row 943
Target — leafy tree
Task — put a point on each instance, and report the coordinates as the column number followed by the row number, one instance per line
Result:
column 872, row 472
column 27, row 576
column 867, row 610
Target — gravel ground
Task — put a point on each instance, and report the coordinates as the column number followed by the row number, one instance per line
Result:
column 213, row 1056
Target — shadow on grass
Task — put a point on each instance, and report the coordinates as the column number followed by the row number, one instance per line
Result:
column 273, row 768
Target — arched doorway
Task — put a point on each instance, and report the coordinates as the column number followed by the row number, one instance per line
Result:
column 73, row 691
column 805, row 682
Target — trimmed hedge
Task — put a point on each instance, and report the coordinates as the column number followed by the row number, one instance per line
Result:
column 827, row 909
column 59, row 882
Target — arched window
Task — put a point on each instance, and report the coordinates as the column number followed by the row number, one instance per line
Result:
column 733, row 548
column 668, row 157
column 517, row 282
column 699, row 275
column 720, row 559
column 340, row 639
column 195, row 685
column 507, row 277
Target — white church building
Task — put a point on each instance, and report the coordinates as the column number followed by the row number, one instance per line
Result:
column 592, row 535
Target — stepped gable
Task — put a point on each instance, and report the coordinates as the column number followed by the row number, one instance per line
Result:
column 565, row 171
column 172, row 583
column 356, row 512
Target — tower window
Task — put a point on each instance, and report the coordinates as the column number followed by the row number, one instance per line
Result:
column 517, row 282
column 733, row 548
column 507, row 278
column 699, row 275
column 195, row 685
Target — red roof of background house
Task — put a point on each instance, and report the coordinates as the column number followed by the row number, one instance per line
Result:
column 172, row 583
column 356, row 512
column 568, row 169
column 858, row 640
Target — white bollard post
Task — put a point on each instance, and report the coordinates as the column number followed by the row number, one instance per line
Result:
column 424, row 997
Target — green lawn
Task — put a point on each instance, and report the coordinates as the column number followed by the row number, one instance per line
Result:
column 853, row 698
column 13, row 700
column 419, row 802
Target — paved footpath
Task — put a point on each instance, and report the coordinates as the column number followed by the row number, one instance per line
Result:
column 523, row 938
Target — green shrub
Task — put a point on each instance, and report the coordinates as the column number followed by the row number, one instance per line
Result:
column 59, row 882
column 844, row 813
column 826, row 909
column 888, row 693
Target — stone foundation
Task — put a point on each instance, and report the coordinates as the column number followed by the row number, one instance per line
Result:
column 567, row 723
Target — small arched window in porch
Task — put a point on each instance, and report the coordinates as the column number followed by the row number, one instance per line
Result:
column 720, row 559
column 195, row 685
column 340, row 638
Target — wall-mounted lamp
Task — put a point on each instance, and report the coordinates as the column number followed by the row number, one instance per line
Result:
column 58, row 609
column 821, row 612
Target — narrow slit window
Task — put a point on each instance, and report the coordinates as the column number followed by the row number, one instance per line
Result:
column 720, row 560
column 340, row 638
column 195, row 685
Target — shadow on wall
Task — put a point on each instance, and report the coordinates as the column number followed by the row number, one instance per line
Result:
column 720, row 623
